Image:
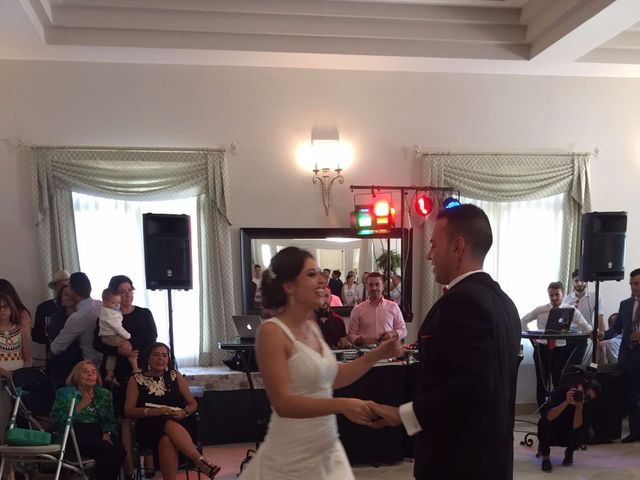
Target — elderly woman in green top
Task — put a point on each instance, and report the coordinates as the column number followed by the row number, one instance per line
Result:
column 94, row 422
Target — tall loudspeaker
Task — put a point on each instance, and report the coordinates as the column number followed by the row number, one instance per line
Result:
column 167, row 251
column 603, row 245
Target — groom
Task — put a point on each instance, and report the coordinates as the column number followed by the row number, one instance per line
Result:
column 462, row 413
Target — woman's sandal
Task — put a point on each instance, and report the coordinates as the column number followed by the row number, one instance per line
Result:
column 205, row 467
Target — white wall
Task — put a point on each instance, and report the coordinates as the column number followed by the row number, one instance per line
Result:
column 268, row 111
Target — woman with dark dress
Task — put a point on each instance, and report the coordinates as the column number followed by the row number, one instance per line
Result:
column 160, row 399
column 138, row 321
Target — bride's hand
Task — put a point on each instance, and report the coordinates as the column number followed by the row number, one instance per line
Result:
column 391, row 348
column 356, row 410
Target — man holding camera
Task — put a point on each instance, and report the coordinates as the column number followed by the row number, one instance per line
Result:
column 565, row 419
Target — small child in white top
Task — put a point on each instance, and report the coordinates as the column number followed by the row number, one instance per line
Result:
column 112, row 332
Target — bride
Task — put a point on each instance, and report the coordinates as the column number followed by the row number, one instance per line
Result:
column 300, row 373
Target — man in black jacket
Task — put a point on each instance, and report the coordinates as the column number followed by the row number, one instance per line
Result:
column 564, row 420
column 463, row 412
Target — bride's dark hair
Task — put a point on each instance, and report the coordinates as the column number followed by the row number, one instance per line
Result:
column 285, row 266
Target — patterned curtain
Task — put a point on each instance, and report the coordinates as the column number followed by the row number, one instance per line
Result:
column 142, row 174
column 509, row 178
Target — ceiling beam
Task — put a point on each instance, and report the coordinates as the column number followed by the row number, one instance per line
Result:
column 285, row 43
column 276, row 24
column 583, row 28
column 405, row 11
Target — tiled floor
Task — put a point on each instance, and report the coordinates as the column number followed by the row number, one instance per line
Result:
column 613, row 461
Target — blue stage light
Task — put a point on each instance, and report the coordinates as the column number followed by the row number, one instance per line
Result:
column 451, row 202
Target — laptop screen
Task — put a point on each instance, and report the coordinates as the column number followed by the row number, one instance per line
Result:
column 247, row 325
column 559, row 320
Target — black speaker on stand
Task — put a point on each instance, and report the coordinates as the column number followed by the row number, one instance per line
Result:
column 602, row 251
column 167, row 256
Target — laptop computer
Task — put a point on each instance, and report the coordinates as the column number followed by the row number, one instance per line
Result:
column 247, row 326
column 559, row 320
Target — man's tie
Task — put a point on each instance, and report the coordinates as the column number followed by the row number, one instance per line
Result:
column 445, row 290
column 551, row 343
column 635, row 324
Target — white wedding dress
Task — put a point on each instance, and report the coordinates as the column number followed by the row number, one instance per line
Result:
column 303, row 448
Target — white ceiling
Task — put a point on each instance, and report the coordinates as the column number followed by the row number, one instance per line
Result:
column 557, row 37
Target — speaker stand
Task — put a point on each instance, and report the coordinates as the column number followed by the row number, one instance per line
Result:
column 173, row 352
column 596, row 324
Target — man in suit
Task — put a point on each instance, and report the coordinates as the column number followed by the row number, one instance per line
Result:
column 628, row 324
column 463, row 409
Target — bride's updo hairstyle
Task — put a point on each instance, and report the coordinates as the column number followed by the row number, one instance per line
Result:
column 285, row 266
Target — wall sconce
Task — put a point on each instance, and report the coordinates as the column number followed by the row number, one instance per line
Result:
column 327, row 156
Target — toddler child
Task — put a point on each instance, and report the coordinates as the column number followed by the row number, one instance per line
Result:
column 112, row 333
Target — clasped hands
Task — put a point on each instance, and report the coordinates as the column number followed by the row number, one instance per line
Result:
column 370, row 413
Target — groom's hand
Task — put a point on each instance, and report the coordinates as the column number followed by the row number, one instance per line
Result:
column 387, row 416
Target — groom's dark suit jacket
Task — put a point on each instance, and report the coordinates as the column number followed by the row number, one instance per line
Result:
column 465, row 399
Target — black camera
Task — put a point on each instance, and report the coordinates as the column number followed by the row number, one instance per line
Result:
column 578, row 395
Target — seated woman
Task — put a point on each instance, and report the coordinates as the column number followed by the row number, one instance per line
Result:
column 14, row 353
column 94, row 422
column 160, row 399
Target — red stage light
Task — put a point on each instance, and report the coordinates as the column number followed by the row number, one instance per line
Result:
column 423, row 205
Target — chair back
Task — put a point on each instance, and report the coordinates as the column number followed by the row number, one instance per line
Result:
column 39, row 392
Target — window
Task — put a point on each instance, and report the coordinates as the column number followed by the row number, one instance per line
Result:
column 525, row 256
column 110, row 242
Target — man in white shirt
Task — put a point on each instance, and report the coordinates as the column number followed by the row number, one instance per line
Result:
column 551, row 360
column 585, row 301
column 81, row 324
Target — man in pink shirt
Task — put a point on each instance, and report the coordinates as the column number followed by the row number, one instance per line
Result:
column 376, row 318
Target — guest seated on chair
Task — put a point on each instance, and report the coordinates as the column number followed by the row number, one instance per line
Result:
column 94, row 422
column 14, row 353
column 565, row 419
column 331, row 324
column 160, row 399
column 608, row 350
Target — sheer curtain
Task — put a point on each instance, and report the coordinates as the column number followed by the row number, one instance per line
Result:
column 513, row 178
column 143, row 175
column 525, row 256
column 110, row 242
column 534, row 203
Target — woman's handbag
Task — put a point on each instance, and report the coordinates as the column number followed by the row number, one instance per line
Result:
column 25, row 437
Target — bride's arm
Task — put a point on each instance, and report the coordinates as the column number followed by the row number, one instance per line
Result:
column 273, row 349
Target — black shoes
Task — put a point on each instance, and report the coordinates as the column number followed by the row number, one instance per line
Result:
column 629, row 439
column 546, row 465
column 568, row 458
